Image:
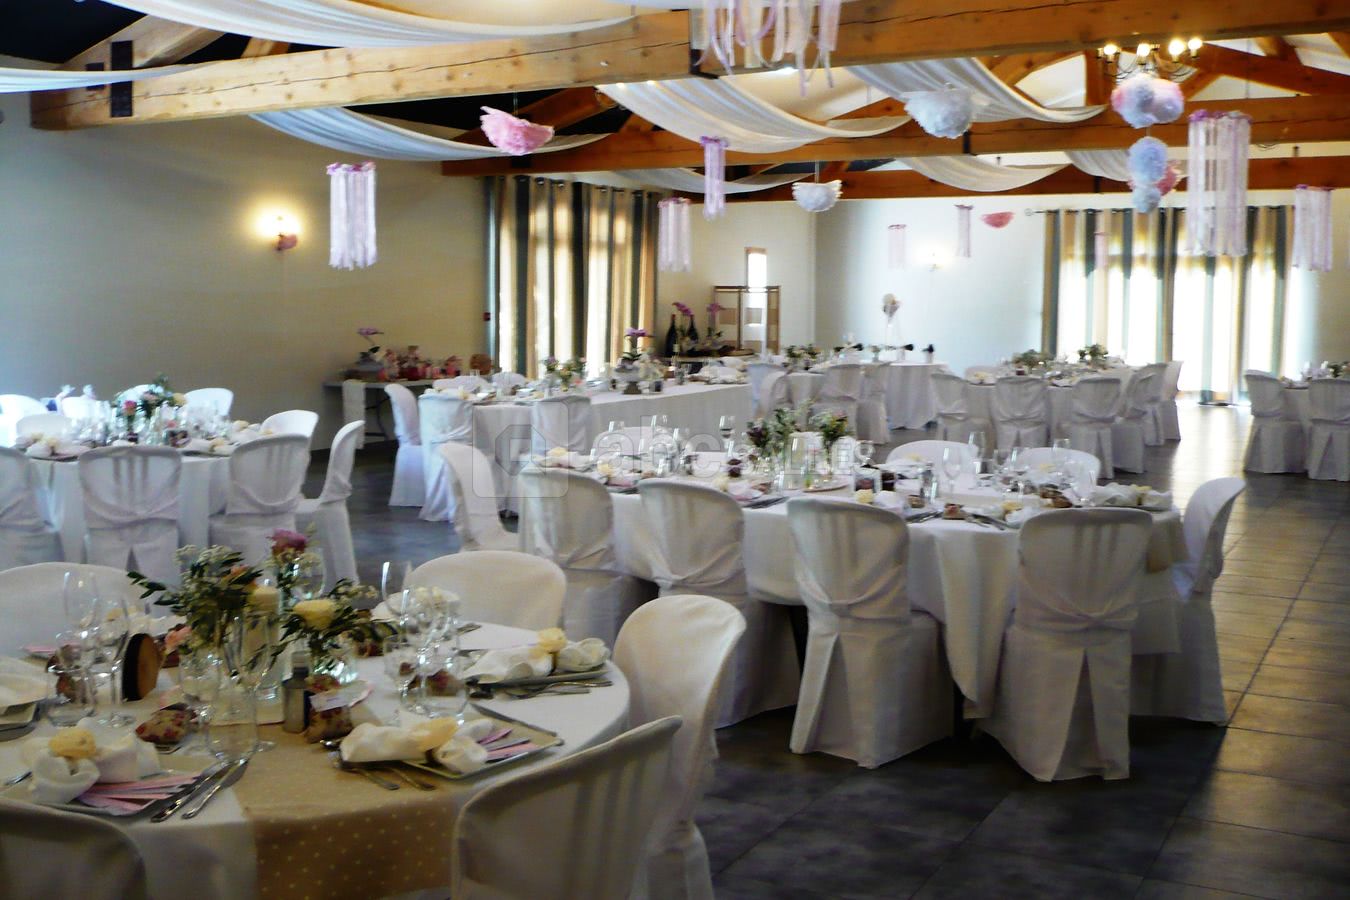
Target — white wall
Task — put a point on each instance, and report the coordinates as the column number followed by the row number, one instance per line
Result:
column 131, row 250
column 1317, row 318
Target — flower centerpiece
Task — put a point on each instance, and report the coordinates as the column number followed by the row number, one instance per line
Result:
column 768, row 437
column 1031, row 361
column 566, row 374
column 292, row 561
column 628, row 369
column 800, row 357
column 831, row 427
column 217, row 588
column 157, row 393
column 1093, row 356
column 330, row 625
column 686, row 334
column 889, row 307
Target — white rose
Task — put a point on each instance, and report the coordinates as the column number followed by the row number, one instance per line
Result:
column 179, row 400
column 865, row 495
column 557, row 452
column 317, row 614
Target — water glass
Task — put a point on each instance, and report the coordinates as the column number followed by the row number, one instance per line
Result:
column 394, row 587
column 232, row 730
column 79, row 699
column 953, row 461
column 401, row 665
column 976, row 441
column 862, row 453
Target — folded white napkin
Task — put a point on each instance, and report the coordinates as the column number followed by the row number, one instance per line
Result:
column 581, row 656
column 743, row 491
column 511, row 663
column 39, row 450
column 461, row 755
column 197, row 445
column 118, row 758
column 563, row 459
column 20, row 683
column 1156, row 500
column 453, row 745
column 68, row 449
column 1113, row 495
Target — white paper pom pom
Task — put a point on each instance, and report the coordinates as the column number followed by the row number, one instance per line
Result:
column 1168, row 101
column 1133, row 99
column 1145, row 197
column 1147, row 160
column 944, row 114
column 814, row 197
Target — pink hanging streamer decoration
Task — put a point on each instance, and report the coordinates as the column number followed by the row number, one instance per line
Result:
column 1100, row 251
column 963, row 230
column 714, row 176
column 1312, row 228
column 997, row 219
column 673, row 244
column 1216, row 192
column 895, row 246
column 515, row 135
column 351, row 215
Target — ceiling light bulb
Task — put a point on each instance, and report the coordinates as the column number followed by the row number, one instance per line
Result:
column 1110, row 50
column 1176, row 47
column 1194, row 44
column 1142, row 50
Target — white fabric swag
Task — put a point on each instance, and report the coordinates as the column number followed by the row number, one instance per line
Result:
column 692, row 182
column 972, row 174
column 999, row 102
column 339, row 23
column 17, row 81
column 352, row 132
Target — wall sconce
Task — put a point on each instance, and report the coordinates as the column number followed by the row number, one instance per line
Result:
column 287, row 232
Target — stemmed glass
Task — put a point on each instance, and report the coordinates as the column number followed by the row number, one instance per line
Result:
column 1059, row 455
column 105, row 630
column 726, row 427
column 953, row 461
column 199, row 674
column 863, row 452
column 249, row 653
column 401, row 664
column 394, row 587
column 437, row 614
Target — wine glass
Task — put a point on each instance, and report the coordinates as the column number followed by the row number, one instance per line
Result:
column 863, row 452
column 199, row 674
column 976, row 441
column 660, row 422
column 77, row 698
column 726, row 427
column 311, row 578
column 249, row 653
column 401, row 665
column 394, row 588
column 616, row 425
column 112, row 632
column 953, row 461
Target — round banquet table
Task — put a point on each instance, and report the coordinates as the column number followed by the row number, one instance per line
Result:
column 964, row 575
column 201, row 491
column 293, row 826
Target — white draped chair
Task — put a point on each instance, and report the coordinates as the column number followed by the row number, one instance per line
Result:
column 441, row 418
column 467, row 382
column 698, row 532
column 1096, row 402
column 32, row 601
column 27, row 534
column 1154, row 427
column 1063, row 703
column 1276, row 442
column 473, row 505
column 841, row 391
column 577, row 827
column 409, row 488
column 327, row 513
column 79, row 408
column 676, row 654
column 763, row 377
column 504, row 587
column 871, row 424
column 48, row 852
column 1188, row 684
column 1019, row 408
column 266, row 477
column 131, row 508
column 1167, row 406
column 874, row 686
column 14, row 407
column 48, row 424
column 563, row 421
column 505, row 381
column 217, row 400
column 568, row 517
column 954, row 421
column 291, row 421
column 1129, row 431
column 929, row 452
column 1329, row 436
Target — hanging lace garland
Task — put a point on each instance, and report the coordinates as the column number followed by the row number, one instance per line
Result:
column 814, row 196
column 946, row 113
column 728, row 24
column 997, row 219
column 673, row 249
column 515, row 135
column 1216, row 196
column 1312, row 228
column 895, row 246
column 714, row 176
column 963, row 230
column 351, row 215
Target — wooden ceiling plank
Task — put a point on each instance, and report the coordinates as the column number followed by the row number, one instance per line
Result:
column 635, row 123
column 1012, row 69
column 656, row 46
column 154, row 42
column 1276, row 47
column 1341, row 39
column 1272, row 71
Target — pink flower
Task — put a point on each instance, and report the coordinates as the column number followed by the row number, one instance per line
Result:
column 714, row 308
column 635, row 332
column 683, row 310
column 284, row 539
column 128, row 407
column 175, row 638
column 368, row 332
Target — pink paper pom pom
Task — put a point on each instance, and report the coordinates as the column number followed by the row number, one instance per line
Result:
column 1168, row 101
column 1168, row 181
column 516, row 136
column 996, row 219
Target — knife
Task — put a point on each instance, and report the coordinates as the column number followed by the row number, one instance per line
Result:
column 184, row 797
column 229, row 777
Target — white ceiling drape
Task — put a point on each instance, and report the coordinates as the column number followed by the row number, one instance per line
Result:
column 999, row 102
column 363, row 135
column 340, row 23
column 973, row 174
column 13, row 81
column 689, row 181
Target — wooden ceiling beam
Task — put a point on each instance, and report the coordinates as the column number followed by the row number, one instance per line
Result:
column 1271, row 70
column 1197, row 83
column 656, row 46
column 635, row 123
column 155, row 42
column 1279, row 120
column 1342, row 40
column 262, row 47
column 566, row 107
column 1012, row 69
column 1276, row 47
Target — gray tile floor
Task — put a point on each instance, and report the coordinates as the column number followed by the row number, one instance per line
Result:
column 1259, row 808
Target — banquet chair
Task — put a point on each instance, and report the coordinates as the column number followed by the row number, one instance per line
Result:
column 467, row 382
column 48, row 424
column 1329, row 436
column 871, row 423
column 698, row 533
column 568, row 517
column 27, row 534
column 504, row 587
column 1276, row 442
column 758, row 374
column 928, row 452
column 327, row 515
column 440, row 418
column 1130, row 429
column 505, row 381
column 14, row 407
column 1096, row 400
column 291, row 421
column 954, row 421
column 1188, row 684
column 773, row 394
column 841, row 392
column 47, row 852
column 78, row 408
column 266, row 476
column 1019, row 410
column 409, row 487
column 131, row 508
column 1063, row 703
column 874, row 686
column 676, row 653
column 561, row 421
column 1153, row 401
column 32, row 604
column 1167, row 407
column 217, row 400
column 472, row 499
column 583, row 822
column 1045, row 458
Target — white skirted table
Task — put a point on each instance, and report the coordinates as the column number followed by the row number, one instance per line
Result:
column 910, row 400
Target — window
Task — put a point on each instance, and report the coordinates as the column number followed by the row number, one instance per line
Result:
column 756, row 268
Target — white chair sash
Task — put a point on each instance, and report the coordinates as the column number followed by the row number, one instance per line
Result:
column 131, row 507
column 843, row 382
column 441, row 418
column 1019, row 409
column 1276, row 443
column 705, row 558
column 567, row 517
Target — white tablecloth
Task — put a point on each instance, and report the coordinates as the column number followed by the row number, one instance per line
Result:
column 910, row 401
column 212, row 856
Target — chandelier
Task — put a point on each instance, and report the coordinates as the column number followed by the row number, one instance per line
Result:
column 1174, row 62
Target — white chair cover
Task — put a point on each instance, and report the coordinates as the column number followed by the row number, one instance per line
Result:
column 14, row 407
column 504, row 587
column 131, row 508
column 1188, row 684
column 1096, row 400
column 773, row 393
column 292, row 421
column 217, row 400
column 1019, row 411
column 841, row 391
column 327, row 514
column 1167, row 407
column 1129, row 432
column 1329, row 436
column 1275, row 443
column 698, row 533
column 871, row 424
column 584, row 821
column 954, row 421
column 568, row 517
column 409, row 483
column 473, row 500
column 874, row 686
column 1153, row 422
column 1063, row 702
column 354, row 405
column 441, row 418
column 48, row 424
column 504, row 381
column 676, row 653
column 266, row 476
column 27, row 534
column 928, row 451
column 468, row 382
column 561, row 421
column 758, row 373
column 32, row 602
column 47, row 852
column 77, row 407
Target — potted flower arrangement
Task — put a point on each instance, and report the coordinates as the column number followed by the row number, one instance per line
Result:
column 1093, row 356
column 1031, row 361
column 831, row 427
column 628, row 369
column 565, row 374
column 368, row 366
